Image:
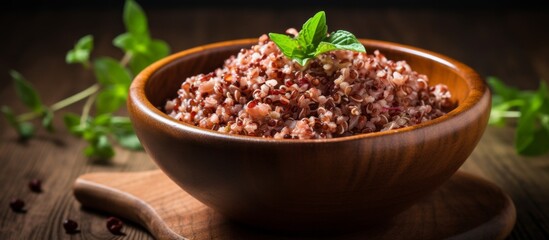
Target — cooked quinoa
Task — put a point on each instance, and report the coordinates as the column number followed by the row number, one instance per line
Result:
column 260, row 92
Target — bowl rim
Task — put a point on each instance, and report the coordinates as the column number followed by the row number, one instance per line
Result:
column 138, row 98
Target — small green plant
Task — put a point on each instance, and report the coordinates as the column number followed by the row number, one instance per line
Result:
column 106, row 96
column 531, row 108
column 313, row 40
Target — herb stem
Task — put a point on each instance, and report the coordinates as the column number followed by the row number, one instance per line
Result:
column 126, row 59
column 76, row 97
column 28, row 116
column 507, row 114
column 86, row 109
column 62, row 104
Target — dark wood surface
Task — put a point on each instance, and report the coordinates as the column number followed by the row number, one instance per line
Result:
column 511, row 44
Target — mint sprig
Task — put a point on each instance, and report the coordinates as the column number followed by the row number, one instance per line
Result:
column 81, row 51
column 137, row 42
column 313, row 40
column 531, row 108
column 98, row 124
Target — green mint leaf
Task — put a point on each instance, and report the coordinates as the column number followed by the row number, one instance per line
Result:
column 157, row 49
column 81, row 51
column 325, row 47
column 506, row 93
column 285, row 43
column 10, row 116
column 47, row 120
column 72, row 122
column 154, row 51
column 99, row 148
column 532, row 136
column 313, row 32
column 290, row 48
column 313, row 40
column 103, row 120
column 340, row 40
column 26, row 92
column 538, row 142
column 95, row 133
column 130, row 43
column 302, row 61
column 111, row 99
column 135, row 19
column 25, row 130
column 109, row 72
column 501, row 110
column 129, row 141
column 138, row 63
column 123, row 132
column 125, row 41
column 115, row 80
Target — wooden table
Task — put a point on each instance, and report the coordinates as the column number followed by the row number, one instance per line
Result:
column 511, row 44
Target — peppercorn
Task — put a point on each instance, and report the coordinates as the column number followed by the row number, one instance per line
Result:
column 17, row 205
column 35, row 185
column 70, row 226
column 115, row 225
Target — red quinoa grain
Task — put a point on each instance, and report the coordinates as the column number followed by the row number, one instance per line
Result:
column 260, row 92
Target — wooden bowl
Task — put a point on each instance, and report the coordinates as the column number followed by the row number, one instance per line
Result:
column 309, row 184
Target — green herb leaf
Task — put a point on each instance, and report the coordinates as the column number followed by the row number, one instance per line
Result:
column 532, row 111
column 26, row 92
column 109, row 72
column 25, row 130
column 155, row 50
column 123, row 131
column 506, row 101
column 532, row 135
column 10, row 117
column 504, row 92
column 99, row 148
column 72, row 122
column 47, row 120
column 124, row 41
column 103, row 120
column 313, row 40
column 111, row 99
column 115, row 80
column 313, row 32
column 137, row 42
column 129, row 141
column 130, row 43
column 286, row 43
column 81, row 51
column 135, row 19
column 501, row 111
column 340, row 40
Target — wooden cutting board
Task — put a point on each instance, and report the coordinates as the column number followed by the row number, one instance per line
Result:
column 465, row 207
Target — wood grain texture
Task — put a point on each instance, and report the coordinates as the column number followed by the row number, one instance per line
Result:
column 510, row 44
column 466, row 207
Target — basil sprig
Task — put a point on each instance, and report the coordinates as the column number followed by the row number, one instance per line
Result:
column 313, row 40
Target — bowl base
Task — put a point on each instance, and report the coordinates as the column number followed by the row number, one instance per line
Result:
column 465, row 207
